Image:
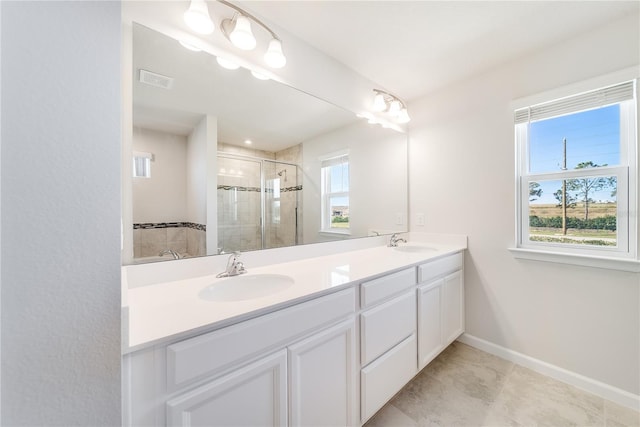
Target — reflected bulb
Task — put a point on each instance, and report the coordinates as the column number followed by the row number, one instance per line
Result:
column 379, row 103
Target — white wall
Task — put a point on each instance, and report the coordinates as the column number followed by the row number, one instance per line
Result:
column 60, row 213
column 378, row 176
column 163, row 196
column 585, row 320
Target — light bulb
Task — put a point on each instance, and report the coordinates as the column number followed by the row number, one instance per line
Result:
column 226, row 63
column 241, row 36
column 259, row 76
column 197, row 17
column 190, row 46
column 379, row 103
column 403, row 116
column 274, row 56
column 394, row 107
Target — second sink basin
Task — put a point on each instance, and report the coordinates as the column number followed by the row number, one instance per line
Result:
column 241, row 288
column 413, row 248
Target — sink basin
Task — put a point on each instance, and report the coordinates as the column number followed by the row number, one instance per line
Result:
column 413, row 248
column 242, row 288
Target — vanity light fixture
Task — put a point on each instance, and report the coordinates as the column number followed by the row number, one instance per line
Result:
column 236, row 29
column 386, row 102
column 197, row 17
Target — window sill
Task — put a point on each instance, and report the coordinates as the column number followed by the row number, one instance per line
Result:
column 620, row 264
column 338, row 232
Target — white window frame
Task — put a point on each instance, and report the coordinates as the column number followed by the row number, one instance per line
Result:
column 142, row 164
column 625, row 255
column 325, row 185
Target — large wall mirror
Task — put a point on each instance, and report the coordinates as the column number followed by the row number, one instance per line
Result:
column 224, row 161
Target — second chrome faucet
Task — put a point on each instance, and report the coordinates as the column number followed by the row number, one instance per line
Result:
column 234, row 267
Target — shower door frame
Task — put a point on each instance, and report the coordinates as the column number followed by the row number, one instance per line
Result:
column 263, row 201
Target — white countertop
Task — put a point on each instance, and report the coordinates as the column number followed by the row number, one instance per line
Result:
column 166, row 311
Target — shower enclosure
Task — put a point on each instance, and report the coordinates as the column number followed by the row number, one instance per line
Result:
column 257, row 203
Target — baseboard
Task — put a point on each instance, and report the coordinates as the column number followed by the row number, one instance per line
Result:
column 590, row 385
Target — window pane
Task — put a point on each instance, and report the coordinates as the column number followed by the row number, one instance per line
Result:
column 339, row 178
column 591, row 211
column 592, row 137
column 339, row 208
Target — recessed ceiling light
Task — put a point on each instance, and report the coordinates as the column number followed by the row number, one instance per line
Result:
column 248, row 141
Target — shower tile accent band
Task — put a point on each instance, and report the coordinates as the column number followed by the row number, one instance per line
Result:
column 257, row 189
column 148, row 225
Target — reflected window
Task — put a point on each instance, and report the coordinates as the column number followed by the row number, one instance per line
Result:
column 142, row 164
column 335, row 193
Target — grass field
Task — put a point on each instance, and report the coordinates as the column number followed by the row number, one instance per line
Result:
column 573, row 236
column 595, row 210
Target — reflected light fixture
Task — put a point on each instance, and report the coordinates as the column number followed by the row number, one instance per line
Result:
column 190, row 46
column 226, row 63
column 197, row 17
column 258, row 75
column 386, row 102
column 236, row 29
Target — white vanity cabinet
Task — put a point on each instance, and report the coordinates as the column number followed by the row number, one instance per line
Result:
column 388, row 343
column 295, row 366
column 440, row 306
column 332, row 360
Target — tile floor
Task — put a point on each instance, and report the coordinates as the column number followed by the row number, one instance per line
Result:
column 468, row 387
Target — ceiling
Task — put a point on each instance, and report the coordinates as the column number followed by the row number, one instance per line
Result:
column 414, row 47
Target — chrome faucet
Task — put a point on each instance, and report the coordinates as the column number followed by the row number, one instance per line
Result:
column 173, row 253
column 393, row 241
column 234, row 267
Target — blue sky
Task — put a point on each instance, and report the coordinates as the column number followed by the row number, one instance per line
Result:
column 592, row 135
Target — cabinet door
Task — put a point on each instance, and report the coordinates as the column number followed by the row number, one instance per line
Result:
column 254, row 395
column 452, row 307
column 323, row 375
column 429, row 322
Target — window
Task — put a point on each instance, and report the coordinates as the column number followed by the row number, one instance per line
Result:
column 576, row 172
column 142, row 164
column 335, row 194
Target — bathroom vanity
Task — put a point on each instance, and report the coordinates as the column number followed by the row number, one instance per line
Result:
column 330, row 349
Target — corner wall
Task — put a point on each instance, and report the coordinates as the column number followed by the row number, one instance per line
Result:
column 60, row 213
column 585, row 320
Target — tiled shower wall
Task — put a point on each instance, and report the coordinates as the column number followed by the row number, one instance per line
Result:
column 188, row 239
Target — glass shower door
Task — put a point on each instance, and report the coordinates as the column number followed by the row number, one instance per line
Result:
column 281, row 204
column 239, row 204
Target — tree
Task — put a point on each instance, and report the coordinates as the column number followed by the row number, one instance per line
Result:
column 570, row 202
column 534, row 191
column 585, row 187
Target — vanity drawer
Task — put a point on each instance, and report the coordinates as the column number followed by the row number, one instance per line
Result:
column 214, row 352
column 386, row 376
column 439, row 267
column 378, row 290
column 386, row 325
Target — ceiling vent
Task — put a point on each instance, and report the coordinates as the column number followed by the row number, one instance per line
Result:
column 157, row 80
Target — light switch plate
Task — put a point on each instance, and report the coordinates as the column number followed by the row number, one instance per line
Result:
column 420, row 219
